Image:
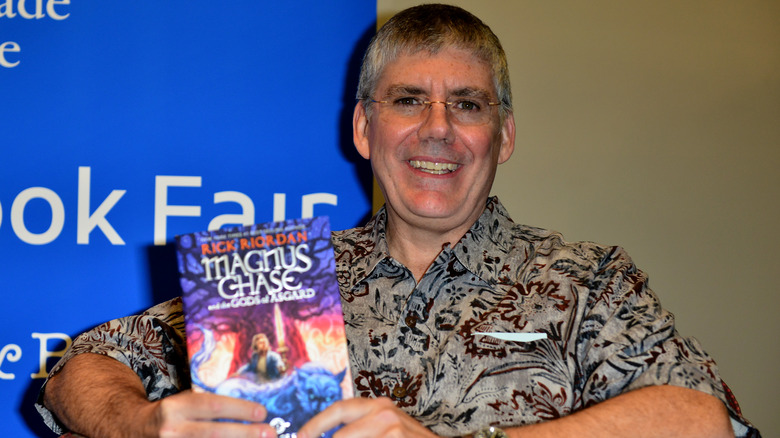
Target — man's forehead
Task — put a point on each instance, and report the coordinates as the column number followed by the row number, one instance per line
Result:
column 459, row 72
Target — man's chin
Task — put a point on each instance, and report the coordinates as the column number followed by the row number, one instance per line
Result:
column 433, row 208
column 442, row 213
column 430, row 207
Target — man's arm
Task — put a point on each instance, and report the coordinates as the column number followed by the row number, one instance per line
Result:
column 657, row 411
column 96, row 395
column 124, row 378
column 653, row 411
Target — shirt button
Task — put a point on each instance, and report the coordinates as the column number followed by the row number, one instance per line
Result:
column 411, row 321
column 399, row 392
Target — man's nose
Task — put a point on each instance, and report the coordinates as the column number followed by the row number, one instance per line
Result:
column 437, row 123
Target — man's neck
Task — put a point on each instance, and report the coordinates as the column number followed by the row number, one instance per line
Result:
column 416, row 247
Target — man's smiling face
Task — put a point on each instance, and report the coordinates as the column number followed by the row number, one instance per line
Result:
column 435, row 169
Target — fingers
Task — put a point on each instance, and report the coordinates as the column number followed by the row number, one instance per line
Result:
column 364, row 418
column 206, row 406
column 215, row 430
column 341, row 412
column 190, row 414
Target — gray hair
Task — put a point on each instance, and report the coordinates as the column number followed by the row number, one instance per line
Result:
column 432, row 28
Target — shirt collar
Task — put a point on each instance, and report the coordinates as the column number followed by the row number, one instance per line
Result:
column 359, row 250
column 489, row 248
column 482, row 250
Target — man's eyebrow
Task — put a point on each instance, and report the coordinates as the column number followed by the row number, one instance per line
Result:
column 413, row 90
column 408, row 90
column 471, row 92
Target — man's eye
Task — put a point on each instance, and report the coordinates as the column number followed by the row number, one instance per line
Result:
column 467, row 105
column 407, row 101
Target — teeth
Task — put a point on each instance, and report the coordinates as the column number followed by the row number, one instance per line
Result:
column 434, row 168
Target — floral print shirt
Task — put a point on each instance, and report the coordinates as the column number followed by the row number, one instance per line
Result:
column 420, row 343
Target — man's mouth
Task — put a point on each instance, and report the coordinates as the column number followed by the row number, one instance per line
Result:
column 434, row 168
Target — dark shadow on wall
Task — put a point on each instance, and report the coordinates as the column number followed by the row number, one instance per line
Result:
column 163, row 272
column 348, row 101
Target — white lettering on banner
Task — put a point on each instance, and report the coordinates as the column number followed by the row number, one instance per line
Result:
column 280, row 206
column 161, row 208
column 45, row 353
column 23, row 10
column 52, row 13
column 86, row 222
column 308, row 201
column 13, row 352
column 247, row 206
column 9, row 46
column 57, row 215
column 7, row 9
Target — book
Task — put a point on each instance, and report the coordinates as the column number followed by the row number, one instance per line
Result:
column 263, row 317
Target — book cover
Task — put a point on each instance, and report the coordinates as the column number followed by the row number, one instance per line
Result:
column 263, row 317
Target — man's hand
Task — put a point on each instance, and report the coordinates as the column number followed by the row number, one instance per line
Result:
column 97, row 396
column 652, row 411
column 189, row 414
column 363, row 417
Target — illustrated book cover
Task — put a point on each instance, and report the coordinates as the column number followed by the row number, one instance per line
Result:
column 263, row 317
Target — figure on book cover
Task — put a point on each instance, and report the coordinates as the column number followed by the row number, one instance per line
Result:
column 292, row 399
column 266, row 365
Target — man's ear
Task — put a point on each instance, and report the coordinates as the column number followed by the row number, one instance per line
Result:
column 360, row 130
column 507, row 138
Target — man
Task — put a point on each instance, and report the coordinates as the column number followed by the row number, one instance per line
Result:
column 265, row 365
column 429, row 288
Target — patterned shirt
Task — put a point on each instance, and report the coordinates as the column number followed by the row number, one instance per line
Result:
column 418, row 342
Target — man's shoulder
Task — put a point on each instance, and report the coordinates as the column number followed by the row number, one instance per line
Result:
column 359, row 240
column 170, row 312
column 165, row 309
column 548, row 247
column 342, row 237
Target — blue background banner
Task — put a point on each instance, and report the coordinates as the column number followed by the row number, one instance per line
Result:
column 125, row 123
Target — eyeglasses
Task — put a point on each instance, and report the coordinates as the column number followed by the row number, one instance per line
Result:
column 471, row 111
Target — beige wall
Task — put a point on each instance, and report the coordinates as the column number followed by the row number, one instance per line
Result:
column 656, row 126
